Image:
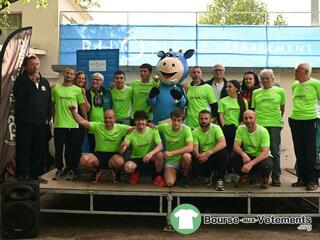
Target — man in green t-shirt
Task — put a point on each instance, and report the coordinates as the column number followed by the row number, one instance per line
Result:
column 140, row 92
column 200, row 96
column 121, row 98
column 108, row 137
column 146, row 149
column 100, row 100
column 268, row 103
column 251, row 148
column 209, row 149
column 66, row 129
column 303, row 120
column 178, row 144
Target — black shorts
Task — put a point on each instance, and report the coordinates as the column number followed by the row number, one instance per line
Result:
column 104, row 158
column 142, row 166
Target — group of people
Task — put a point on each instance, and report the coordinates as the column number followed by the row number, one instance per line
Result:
column 227, row 129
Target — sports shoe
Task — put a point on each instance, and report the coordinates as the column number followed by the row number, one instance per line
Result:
column 299, row 183
column 116, row 176
column 58, row 176
column 134, row 178
column 99, row 174
column 71, row 175
column 158, row 180
column 276, row 181
column 93, row 176
column 311, row 186
column 208, row 180
column 227, row 178
column 220, row 185
column 264, row 183
column 184, row 182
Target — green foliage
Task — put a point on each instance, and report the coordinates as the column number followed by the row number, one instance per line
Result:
column 280, row 21
column 237, row 12
column 5, row 7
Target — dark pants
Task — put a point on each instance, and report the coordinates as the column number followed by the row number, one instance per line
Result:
column 262, row 169
column 29, row 149
column 92, row 142
column 275, row 141
column 69, row 138
column 217, row 162
column 229, row 132
column 304, row 142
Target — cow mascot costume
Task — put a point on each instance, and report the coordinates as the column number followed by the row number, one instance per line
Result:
column 172, row 69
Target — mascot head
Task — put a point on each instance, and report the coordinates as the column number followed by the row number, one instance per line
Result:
column 173, row 67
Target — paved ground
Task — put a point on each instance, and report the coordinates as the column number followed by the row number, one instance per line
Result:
column 64, row 226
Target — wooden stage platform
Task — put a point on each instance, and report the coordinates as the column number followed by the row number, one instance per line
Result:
column 168, row 198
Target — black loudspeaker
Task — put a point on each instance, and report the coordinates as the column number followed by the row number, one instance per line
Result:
column 20, row 207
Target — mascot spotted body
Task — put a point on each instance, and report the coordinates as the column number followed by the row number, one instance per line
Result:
column 172, row 69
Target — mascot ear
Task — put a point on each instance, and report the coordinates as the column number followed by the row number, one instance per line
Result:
column 161, row 54
column 188, row 53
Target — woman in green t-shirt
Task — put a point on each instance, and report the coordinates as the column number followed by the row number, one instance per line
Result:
column 231, row 111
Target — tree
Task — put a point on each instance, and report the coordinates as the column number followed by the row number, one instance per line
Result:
column 280, row 21
column 237, row 12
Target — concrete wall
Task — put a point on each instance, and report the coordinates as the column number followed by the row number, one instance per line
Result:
column 45, row 25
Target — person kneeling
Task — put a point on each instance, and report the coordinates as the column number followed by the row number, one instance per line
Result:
column 179, row 143
column 108, row 136
column 251, row 148
column 146, row 148
column 209, row 149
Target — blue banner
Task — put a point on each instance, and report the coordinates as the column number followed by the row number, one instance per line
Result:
column 104, row 61
column 234, row 46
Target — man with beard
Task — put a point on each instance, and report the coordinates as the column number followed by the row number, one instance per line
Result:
column 209, row 149
column 251, row 148
column 66, row 129
column 146, row 150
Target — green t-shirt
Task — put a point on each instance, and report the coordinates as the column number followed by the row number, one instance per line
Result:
column 207, row 140
column 231, row 109
column 175, row 140
column 305, row 99
column 266, row 103
column 140, row 93
column 198, row 98
column 122, row 102
column 142, row 143
column 253, row 142
column 96, row 113
column 63, row 97
column 108, row 140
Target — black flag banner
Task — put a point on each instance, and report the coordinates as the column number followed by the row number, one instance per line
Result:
column 13, row 51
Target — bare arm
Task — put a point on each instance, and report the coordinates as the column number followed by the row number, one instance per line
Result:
column 157, row 149
column 221, row 118
column 86, row 102
column 220, row 145
column 263, row 155
column 282, row 109
column 123, row 146
column 83, row 111
column 238, row 150
column 83, row 122
column 187, row 148
column 196, row 153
